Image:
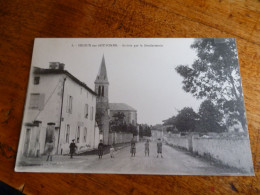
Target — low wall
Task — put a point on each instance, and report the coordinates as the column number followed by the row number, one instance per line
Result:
column 120, row 137
column 232, row 152
column 181, row 142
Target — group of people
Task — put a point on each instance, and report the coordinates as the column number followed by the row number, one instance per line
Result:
column 146, row 148
column 112, row 149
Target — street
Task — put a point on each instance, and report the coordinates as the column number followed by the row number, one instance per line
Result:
column 174, row 161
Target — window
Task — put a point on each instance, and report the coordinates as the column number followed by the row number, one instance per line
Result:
column 99, row 90
column 67, row 136
column 85, row 134
column 36, row 101
column 86, row 111
column 103, row 91
column 69, row 104
column 36, row 80
column 78, row 134
column 92, row 113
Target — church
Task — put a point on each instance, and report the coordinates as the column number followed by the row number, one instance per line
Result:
column 105, row 110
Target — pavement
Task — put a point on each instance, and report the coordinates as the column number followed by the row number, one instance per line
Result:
column 174, row 161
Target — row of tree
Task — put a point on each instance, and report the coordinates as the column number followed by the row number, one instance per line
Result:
column 145, row 130
column 214, row 76
column 208, row 119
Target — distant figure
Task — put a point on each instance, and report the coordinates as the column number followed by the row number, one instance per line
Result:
column 133, row 148
column 159, row 148
column 72, row 148
column 49, row 150
column 100, row 149
column 112, row 150
column 146, row 148
column 49, row 147
column 37, row 147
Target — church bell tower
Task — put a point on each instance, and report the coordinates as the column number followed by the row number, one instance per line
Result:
column 101, row 88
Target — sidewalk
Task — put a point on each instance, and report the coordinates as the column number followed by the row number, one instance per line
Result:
column 65, row 160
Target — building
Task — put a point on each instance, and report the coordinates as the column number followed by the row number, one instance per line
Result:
column 129, row 112
column 59, row 108
column 101, row 89
column 106, row 110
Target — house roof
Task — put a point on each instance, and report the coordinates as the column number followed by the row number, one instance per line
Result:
column 120, row 107
column 38, row 70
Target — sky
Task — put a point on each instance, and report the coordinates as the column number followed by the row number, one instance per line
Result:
column 139, row 75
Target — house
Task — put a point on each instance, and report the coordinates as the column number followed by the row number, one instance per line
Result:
column 58, row 109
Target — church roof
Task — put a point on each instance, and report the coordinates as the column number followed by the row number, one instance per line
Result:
column 102, row 74
column 120, row 107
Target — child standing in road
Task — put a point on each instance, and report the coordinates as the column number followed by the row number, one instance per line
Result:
column 112, row 150
column 159, row 148
column 146, row 148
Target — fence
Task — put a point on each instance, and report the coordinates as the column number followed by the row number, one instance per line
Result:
column 229, row 151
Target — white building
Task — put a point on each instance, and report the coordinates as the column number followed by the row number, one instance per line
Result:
column 59, row 108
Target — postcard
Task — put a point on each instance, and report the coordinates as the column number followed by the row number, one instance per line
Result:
column 168, row 106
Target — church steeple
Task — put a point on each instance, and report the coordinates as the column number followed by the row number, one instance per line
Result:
column 101, row 89
column 102, row 74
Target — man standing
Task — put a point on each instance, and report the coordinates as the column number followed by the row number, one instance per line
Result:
column 100, row 149
column 159, row 148
column 146, row 148
column 72, row 148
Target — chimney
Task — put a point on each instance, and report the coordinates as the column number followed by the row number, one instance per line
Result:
column 61, row 66
column 56, row 65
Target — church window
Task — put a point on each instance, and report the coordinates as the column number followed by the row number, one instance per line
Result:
column 103, row 91
column 99, row 90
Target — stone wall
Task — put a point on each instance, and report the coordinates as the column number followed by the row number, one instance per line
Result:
column 232, row 152
column 181, row 142
column 120, row 137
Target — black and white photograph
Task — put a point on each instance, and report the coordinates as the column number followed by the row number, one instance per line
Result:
column 160, row 106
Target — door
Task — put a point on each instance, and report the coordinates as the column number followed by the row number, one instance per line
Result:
column 27, row 142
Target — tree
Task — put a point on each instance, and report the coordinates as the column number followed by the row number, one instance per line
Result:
column 209, row 118
column 186, row 120
column 215, row 75
column 141, row 131
column 118, row 122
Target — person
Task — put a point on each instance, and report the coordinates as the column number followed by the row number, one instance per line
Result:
column 49, row 150
column 146, row 148
column 50, row 147
column 112, row 150
column 100, row 149
column 159, row 148
column 37, row 147
column 133, row 148
column 72, row 148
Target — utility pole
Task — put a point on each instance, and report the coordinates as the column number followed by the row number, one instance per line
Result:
column 61, row 108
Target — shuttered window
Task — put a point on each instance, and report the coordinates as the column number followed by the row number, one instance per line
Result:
column 37, row 101
column 69, row 104
column 86, row 111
